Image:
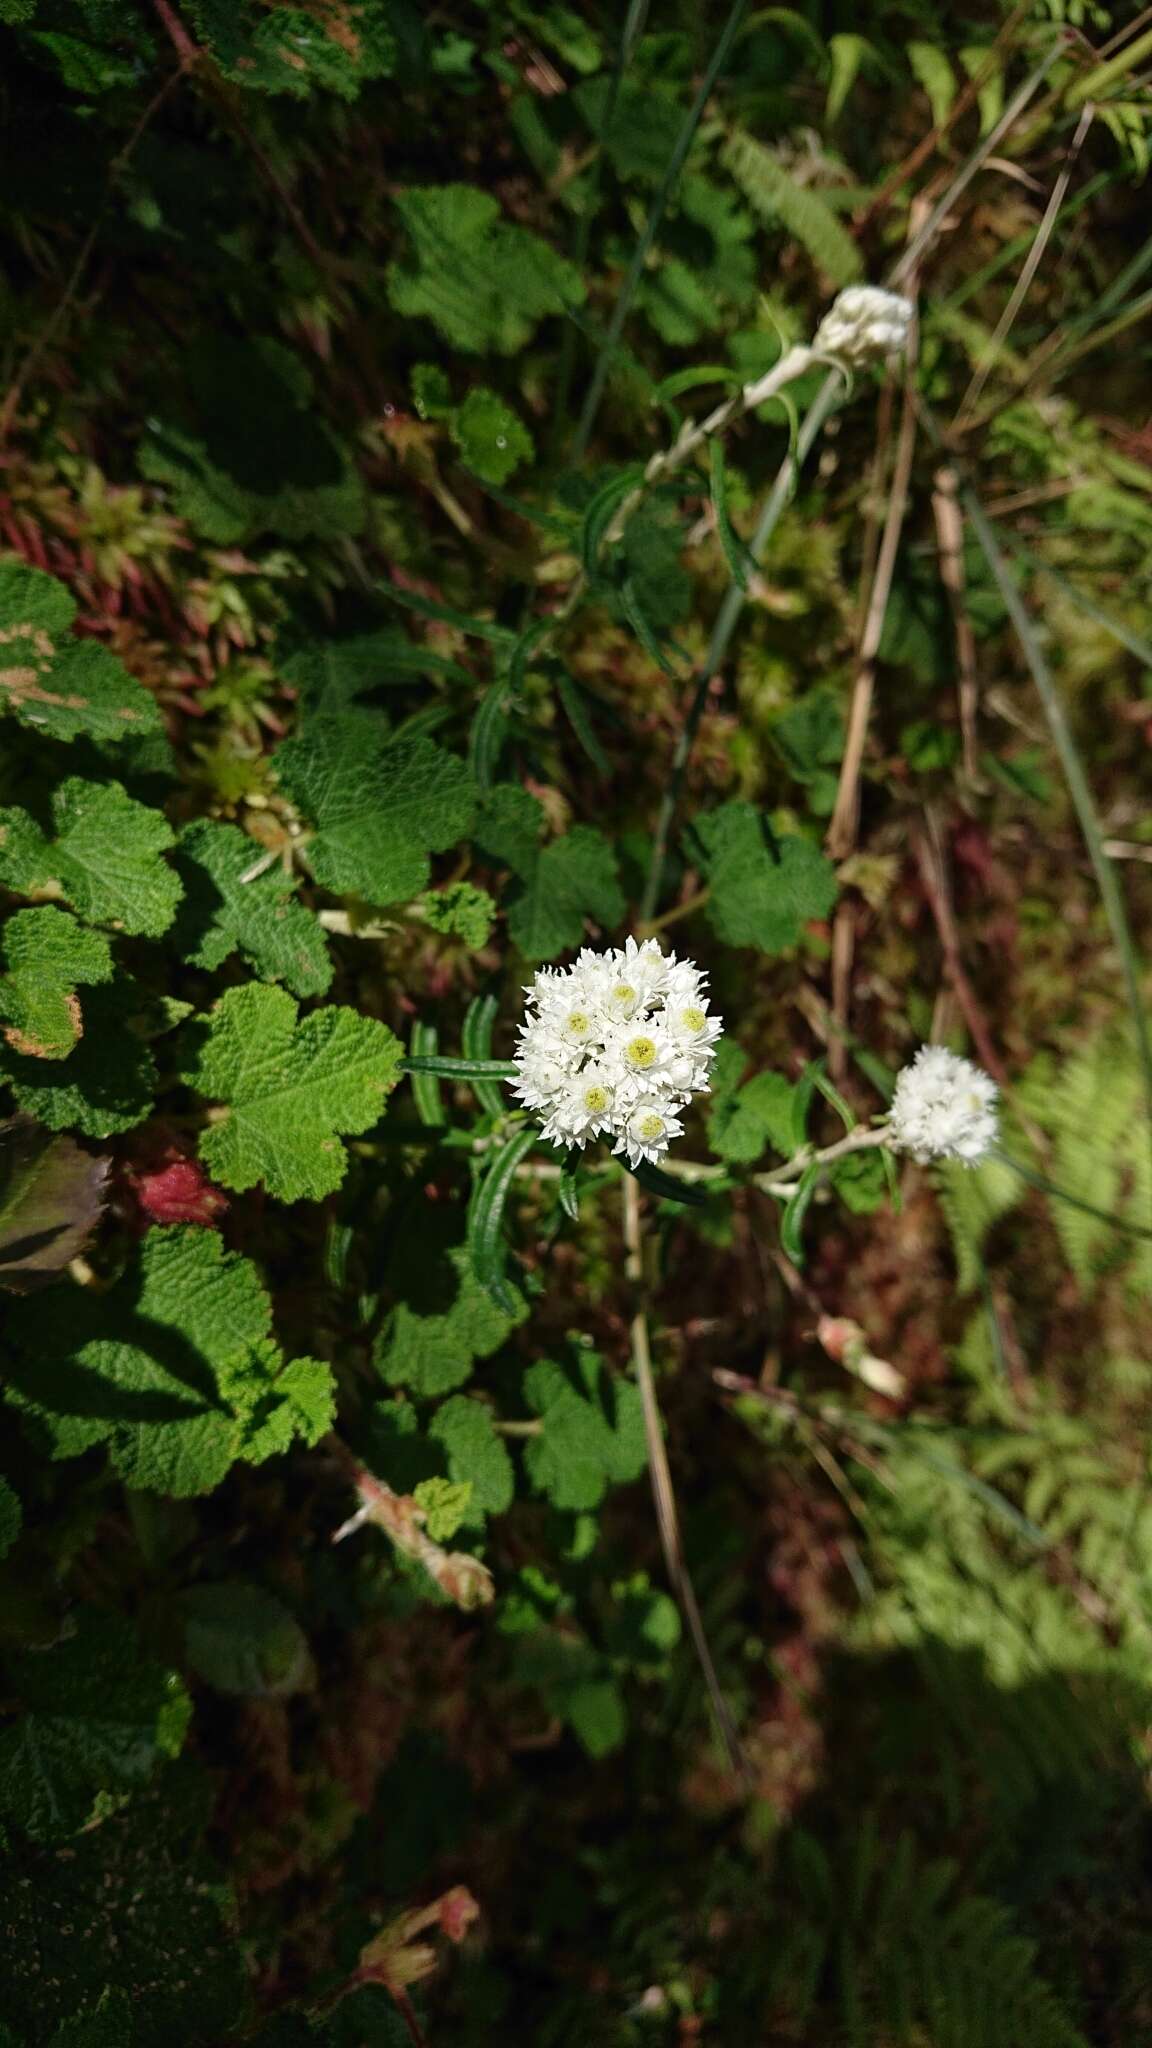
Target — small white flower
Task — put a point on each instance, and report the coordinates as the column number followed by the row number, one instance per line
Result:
column 863, row 325
column 943, row 1107
column 616, row 1045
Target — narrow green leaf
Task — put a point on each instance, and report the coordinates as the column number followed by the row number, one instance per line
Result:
column 600, row 512
column 656, row 1182
column 486, row 1216
column 454, row 1069
column 479, row 629
column 634, row 614
column 572, row 698
column 792, row 1221
column 735, row 550
column 425, row 1084
column 843, row 1109
column 476, row 1039
column 488, row 732
column 802, row 1102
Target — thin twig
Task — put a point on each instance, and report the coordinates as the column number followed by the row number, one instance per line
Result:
column 934, row 879
column 663, row 1495
column 950, row 548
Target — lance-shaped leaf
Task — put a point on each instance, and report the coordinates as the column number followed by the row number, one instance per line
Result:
column 379, row 810
column 54, row 682
column 103, row 856
column 51, row 1195
column 289, row 1089
column 222, row 912
column 47, row 954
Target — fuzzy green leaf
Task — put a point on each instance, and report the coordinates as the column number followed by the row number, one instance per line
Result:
column 298, row 50
column 509, row 827
column 484, row 283
column 476, row 1452
column 574, row 878
column 47, row 954
column 593, row 1435
column 445, row 1504
column 221, row 912
column 290, row 1088
column 782, row 202
column 54, row 682
column 492, row 440
column 103, row 856
column 460, row 911
column 131, row 1909
column 97, row 1717
column 107, row 1081
column 174, row 1368
column 742, row 1125
column 379, row 810
column 761, row 892
column 443, row 1318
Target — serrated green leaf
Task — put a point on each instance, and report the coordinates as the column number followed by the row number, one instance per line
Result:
column 51, row 1195
column 460, row 911
column 492, row 440
column 131, row 1907
column 290, row 1089
column 509, row 826
column 55, row 683
column 443, row 1319
column 573, row 879
column 102, row 855
column 760, row 893
column 298, row 50
column 782, row 202
column 484, row 283
column 46, row 955
column 97, row 1716
column 251, row 453
column 444, row 1504
column 241, row 1639
column 476, row 1453
column 593, row 1434
column 742, row 1125
column 221, row 912
column 107, row 1081
column 379, row 811
column 174, row 1367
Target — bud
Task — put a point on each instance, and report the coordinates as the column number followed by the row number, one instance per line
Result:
column 864, row 325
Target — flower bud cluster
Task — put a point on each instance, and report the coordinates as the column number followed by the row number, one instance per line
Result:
column 863, row 325
column 616, row 1045
column 943, row 1107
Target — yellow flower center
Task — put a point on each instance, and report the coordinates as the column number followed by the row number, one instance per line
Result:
column 641, row 1052
column 596, row 1099
column 693, row 1020
column 651, row 1126
column 579, row 1024
column 624, row 994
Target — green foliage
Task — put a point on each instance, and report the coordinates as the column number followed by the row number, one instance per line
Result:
column 106, row 1083
column 175, row 1368
column 492, row 440
column 102, row 854
column 476, row 1454
column 241, row 1639
column 57, row 684
column 46, row 955
column 296, row 50
column 95, row 1715
column 226, row 907
column 762, row 888
column 573, row 878
column 460, row 911
column 485, row 284
column 742, row 1124
column 287, row 1089
column 379, row 808
column 593, row 1430
column 796, row 209
column 444, row 1319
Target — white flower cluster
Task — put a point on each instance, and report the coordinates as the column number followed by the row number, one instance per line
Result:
column 863, row 325
column 618, row 1043
column 943, row 1108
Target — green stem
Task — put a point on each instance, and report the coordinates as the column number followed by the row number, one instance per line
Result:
column 649, row 232
column 1048, row 1187
column 726, row 623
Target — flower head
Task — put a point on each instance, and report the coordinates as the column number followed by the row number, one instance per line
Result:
column 863, row 325
column 943, row 1108
column 616, row 1045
